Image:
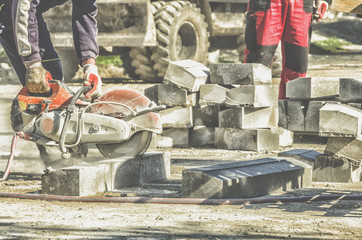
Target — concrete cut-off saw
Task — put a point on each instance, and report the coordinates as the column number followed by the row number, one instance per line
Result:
column 120, row 123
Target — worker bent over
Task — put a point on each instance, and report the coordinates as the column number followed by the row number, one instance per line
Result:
column 26, row 40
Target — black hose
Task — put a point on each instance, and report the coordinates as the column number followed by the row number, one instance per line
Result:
column 196, row 201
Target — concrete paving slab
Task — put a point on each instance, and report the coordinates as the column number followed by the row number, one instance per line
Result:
column 350, row 148
column 286, row 137
column 177, row 117
column 240, row 73
column 355, row 105
column 283, row 117
column 304, row 155
column 253, row 96
column 296, row 111
column 206, row 116
column 245, row 179
column 330, row 168
column 339, row 120
column 167, row 95
column 350, row 88
column 202, row 136
column 212, row 95
column 311, row 123
column 246, row 139
column 186, row 74
column 248, row 118
column 312, row 87
column 180, row 136
column 159, row 141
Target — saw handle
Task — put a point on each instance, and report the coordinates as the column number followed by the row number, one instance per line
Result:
column 70, row 110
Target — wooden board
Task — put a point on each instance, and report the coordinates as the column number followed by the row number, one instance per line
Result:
column 348, row 6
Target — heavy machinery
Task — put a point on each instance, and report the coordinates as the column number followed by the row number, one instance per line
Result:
column 148, row 34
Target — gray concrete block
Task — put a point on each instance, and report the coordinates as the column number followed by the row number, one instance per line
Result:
column 339, row 120
column 201, row 136
column 212, row 95
column 180, row 136
column 283, row 117
column 246, row 117
column 253, row 95
column 77, row 181
column 177, row 117
column 107, row 175
column 296, row 111
column 159, row 141
column 355, row 105
column 311, row 88
column 155, row 167
column 186, row 74
column 246, row 139
column 304, row 155
column 240, row 73
column 349, row 148
column 350, row 88
column 335, row 169
column 167, row 95
column 245, row 179
column 206, row 116
column 311, row 123
column 286, row 137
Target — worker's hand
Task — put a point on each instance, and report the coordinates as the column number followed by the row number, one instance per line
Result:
column 92, row 78
column 37, row 78
column 317, row 14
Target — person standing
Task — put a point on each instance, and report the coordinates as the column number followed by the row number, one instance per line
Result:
column 287, row 21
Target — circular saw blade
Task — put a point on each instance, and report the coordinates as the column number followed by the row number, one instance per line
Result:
column 136, row 145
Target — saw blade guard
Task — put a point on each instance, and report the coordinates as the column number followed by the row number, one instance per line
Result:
column 135, row 109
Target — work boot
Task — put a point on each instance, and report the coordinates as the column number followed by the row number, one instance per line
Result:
column 37, row 78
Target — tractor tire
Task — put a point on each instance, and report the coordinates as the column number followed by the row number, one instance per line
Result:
column 141, row 63
column 127, row 62
column 181, row 34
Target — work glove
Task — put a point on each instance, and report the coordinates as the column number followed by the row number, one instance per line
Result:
column 317, row 15
column 37, row 78
column 92, row 78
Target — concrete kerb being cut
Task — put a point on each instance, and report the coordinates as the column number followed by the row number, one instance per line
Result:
column 107, row 175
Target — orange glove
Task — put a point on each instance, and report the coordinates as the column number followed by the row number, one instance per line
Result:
column 92, row 78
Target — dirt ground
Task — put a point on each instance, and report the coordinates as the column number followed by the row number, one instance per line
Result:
column 339, row 219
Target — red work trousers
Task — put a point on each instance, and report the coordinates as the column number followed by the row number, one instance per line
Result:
column 272, row 21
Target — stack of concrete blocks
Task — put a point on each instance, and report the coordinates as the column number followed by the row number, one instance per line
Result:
column 179, row 94
column 316, row 106
column 248, row 102
column 306, row 96
column 235, row 108
column 342, row 124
